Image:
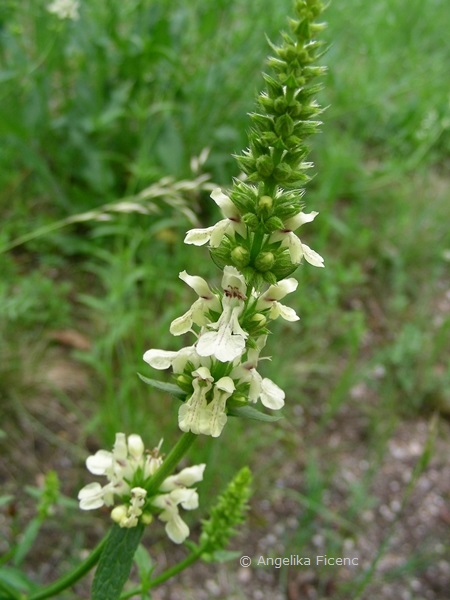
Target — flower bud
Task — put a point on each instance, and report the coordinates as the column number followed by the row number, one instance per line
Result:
column 280, row 105
column 295, row 109
column 282, row 172
column 251, row 220
column 265, row 205
column 119, row 513
column 240, row 256
column 284, row 126
column 259, row 319
column 264, row 261
column 269, row 277
column 146, row 518
column 264, row 165
column 135, row 446
column 184, row 380
column 273, row 224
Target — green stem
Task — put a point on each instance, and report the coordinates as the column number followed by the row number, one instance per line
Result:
column 12, row 592
column 68, row 580
column 256, row 244
column 165, row 575
column 27, row 237
column 171, row 461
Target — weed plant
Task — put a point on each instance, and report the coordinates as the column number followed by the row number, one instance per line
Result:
column 95, row 111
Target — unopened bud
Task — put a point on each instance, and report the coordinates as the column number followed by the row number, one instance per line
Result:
column 119, row 513
column 273, row 224
column 135, row 446
column 259, row 319
column 284, row 126
column 251, row 220
column 240, row 256
column 264, row 261
column 280, row 105
column 264, row 165
column 146, row 518
column 282, row 172
column 265, row 205
column 183, row 380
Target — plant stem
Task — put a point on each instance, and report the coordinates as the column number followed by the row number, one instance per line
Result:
column 68, row 580
column 171, row 461
column 165, row 575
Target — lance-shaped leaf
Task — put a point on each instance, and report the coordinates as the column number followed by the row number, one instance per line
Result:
column 115, row 562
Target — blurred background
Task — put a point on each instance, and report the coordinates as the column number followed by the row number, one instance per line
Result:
column 114, row 129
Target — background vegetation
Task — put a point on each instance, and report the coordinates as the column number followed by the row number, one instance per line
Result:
column 124, row 101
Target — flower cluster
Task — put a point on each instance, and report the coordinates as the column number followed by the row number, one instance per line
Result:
column 219, row 370
column 129, row 469
column 255, row 245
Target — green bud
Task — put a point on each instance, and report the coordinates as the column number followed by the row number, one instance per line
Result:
column 284, row 126
column 259, row 319
column 273, row 224
column 264, row 261
column 270, row 277
column 265, row 205
column 183, row 380
column 280, row 105
column 240, row 256
column 274, row 87
column 295, row 108
column 248, row 273
column 282, row 172
column 146, row 518
column 251, row 220
column 263, row 122
column 264, row 165
column 246, row 163
column 269, row 138
column 289, row 53
column 221, row 254
column 240, row 398
column 266, row 102
column 283, row 266
column 257, row 280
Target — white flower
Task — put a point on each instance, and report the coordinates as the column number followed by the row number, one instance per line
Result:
column 65, row 9
column 269, row 300
column 200, row 416
column 184, row 478
column 214, row 417
column 197, row 313
column 227, row 341
column 119, row 467
column 296, row 248
column 128, row 516
column 92, row 496
column 190, row 413
column 178, row 494
column 129, row 463
column 163, row 359
column 230, row 225
column 260, row 388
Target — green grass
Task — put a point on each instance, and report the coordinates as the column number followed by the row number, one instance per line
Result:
column 97, row 110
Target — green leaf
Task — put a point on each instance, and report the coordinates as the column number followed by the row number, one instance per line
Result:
column 145, row 565
column 115, row 562
column 15, row 579
column 170, row 388
column 27, row 540
column 248, row 412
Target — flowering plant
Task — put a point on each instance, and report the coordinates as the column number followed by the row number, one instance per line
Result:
column 217, row 376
